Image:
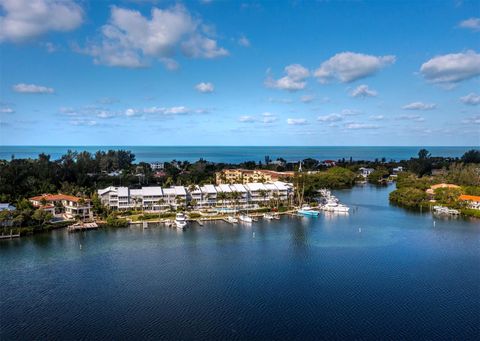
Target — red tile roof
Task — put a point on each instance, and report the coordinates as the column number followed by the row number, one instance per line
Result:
column 470, row 197
column 56, row 197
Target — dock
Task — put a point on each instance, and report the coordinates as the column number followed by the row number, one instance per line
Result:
column 82, row 227
column 10, row 236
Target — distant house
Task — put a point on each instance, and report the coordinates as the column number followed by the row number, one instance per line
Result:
column 157, row 166
column 329, row 163
column 397, row 170
column 365, row 172
column 473, row 201
column 7, row 207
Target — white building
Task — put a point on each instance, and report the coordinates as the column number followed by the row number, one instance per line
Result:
column 158, row 198
column 365, row 172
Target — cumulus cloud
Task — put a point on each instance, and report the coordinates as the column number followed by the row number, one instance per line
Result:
column 471, row 23
column 415, row 118
column 472, row 120
column 356, row 126
column 294, row 80
column 243, row 41
column 246, row 119
column 130, row 39
column 204, row 87
column 363, row 91
column 451, row 68
column 471, row 99
column 7, row 110
column 330, row 118
column 349, row 66
column 297, row 121
column 32, row 89
column 419, row 106
column 23, row 20
column 265, row 118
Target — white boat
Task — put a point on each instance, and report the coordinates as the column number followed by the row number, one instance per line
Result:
column 268, row 216
column 307, row 210
column 333, row 206
column 276, row 216
column 180, row 221
column 445, row 210
column 232, row 219
column 245, row 218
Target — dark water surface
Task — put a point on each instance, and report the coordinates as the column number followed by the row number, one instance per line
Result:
column 238, row 154
column 378, row 273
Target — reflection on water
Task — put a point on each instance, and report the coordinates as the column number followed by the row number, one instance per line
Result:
column 379, row 272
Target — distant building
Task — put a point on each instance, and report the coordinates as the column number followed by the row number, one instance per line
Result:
column 6, row 207
column 157, row 166
column 69, row 205
column 243, row 176
column 397, row 170
column 329, row 163
column 473, row 201
column 158, row 198
column 365, row 172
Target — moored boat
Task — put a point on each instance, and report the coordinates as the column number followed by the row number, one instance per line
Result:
column 180, row 221
column 245, row 218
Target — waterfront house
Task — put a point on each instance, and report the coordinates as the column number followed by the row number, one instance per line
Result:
column 61, row 204
column 365, row 172
column 472, row 200
column 431, row 190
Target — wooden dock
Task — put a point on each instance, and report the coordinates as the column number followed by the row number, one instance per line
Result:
column 10, row 236
column 82, row 227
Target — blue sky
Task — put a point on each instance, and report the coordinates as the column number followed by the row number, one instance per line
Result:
column 239, row 73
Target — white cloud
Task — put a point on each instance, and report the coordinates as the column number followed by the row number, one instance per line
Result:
column 363, row 91
column 471, row 23
column 451, row 68
column 307, row 98
column 330, row 118
column 356, row 126
column 376, row 117
column 297, row 121
column 471, row 99
column 178, row 110
column 246, row 119
column 348, row 66
column 419, row 106
column 87, row 123
column 131, row 112
column 7, row 110
column 268, row 118
column 415, row 118
column 243, row 41
column 105, row 114
column 294, row 80
column 204, row 87
column 472, row 120
column 24, row 20
column 131, row 40
column 32, row 89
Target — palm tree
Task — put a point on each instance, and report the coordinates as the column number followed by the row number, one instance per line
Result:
column 222, row 196
column 263, row 193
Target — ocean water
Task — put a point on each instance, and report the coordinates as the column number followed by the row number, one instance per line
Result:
column 378, row 273
column 239, row 154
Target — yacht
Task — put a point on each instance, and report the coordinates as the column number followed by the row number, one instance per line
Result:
column 307, row 210
column 334, row 206
column 232, row 220
column 268, row 216
column 245, row 218
column 180, row 221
